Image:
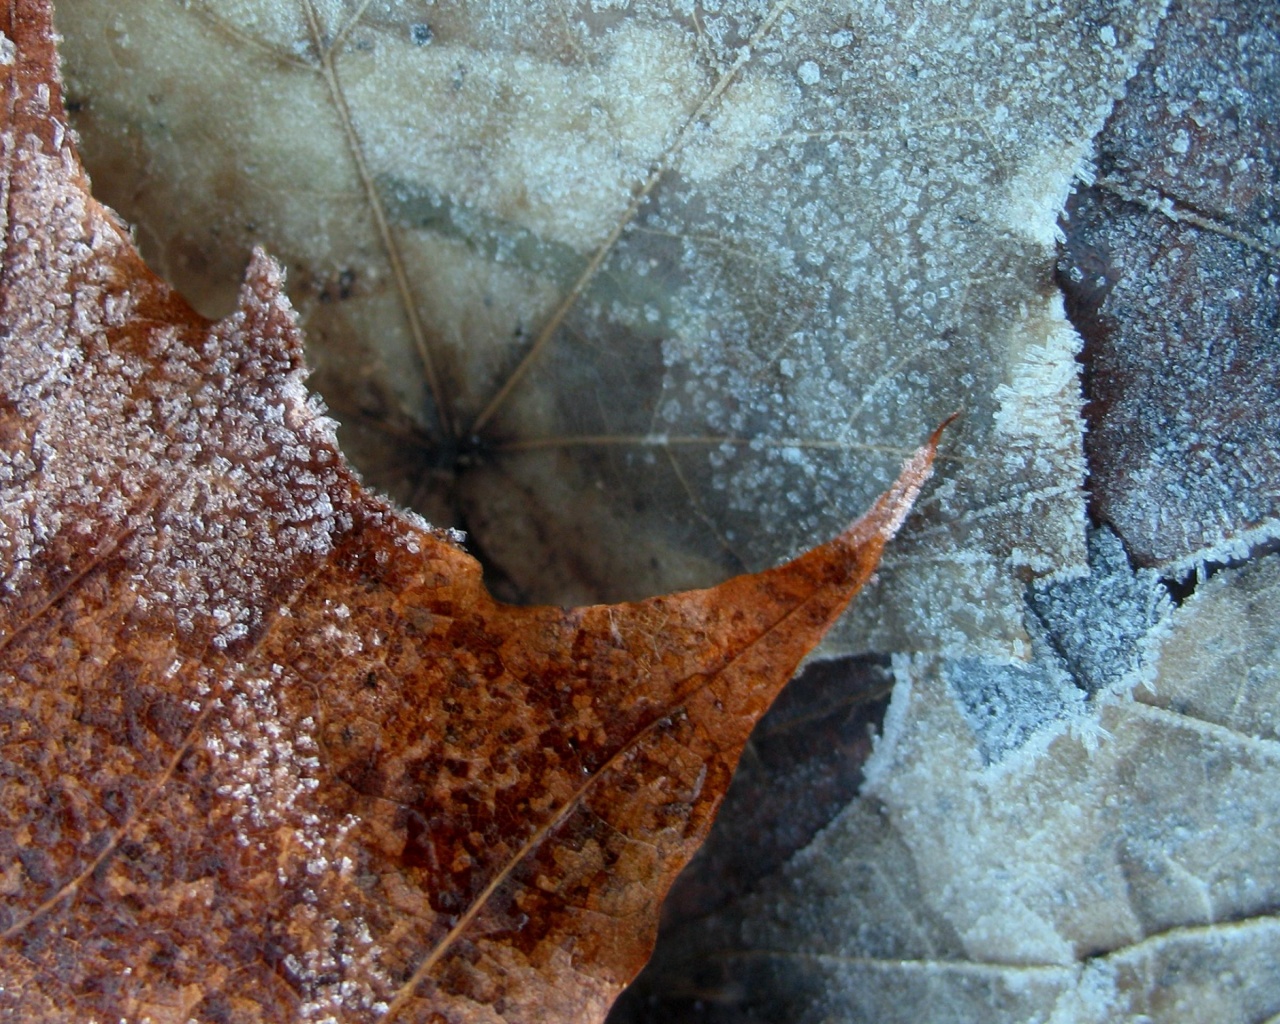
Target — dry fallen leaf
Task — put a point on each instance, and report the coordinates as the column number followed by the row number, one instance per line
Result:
column 269, row 751
column 998, row 867
column 688, row 273
column 1170, row 274
column 1018, row 856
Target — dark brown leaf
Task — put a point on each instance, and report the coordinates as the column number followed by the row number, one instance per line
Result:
column 1170, row 274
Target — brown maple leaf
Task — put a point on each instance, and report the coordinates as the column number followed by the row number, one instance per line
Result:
column 268, row 749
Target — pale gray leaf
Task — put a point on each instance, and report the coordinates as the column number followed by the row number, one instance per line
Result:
column 646, row 294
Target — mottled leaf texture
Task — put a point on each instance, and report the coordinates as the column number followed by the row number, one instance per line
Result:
column 1171, row 274
column 268, row 750
column 802, row 766
column 1088, row 836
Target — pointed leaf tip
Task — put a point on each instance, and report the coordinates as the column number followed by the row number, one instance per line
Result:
column 890, row 511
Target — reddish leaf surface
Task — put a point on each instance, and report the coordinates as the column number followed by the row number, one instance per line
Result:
column 268, row 750
column 1170, row 275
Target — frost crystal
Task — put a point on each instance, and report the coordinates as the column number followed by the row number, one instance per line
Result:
column 1171, row 271
column 753, row 253
column 1098, row 623
column 1078, row 879
column 1008, row 704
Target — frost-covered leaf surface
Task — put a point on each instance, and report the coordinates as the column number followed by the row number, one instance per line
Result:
column 1172, row 270
column 1120, row 863
column 846, row 228
column 644, row 293
column 269, row 751
column 1009, row 861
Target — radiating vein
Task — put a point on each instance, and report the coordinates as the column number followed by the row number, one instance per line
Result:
column 248, row 39
column 139, row 813
column 904, row 965
column 1263, row 746
column 694, row 440
column 1155, row 202
column 72, row 885
column 389, row 244
column 1241, row 926
column 97, row 557
column 659, row 169
column 345, row 30
column 701, row 513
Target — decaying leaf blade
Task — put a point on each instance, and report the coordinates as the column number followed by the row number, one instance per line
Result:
column 269, row 751
column 707, row 699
